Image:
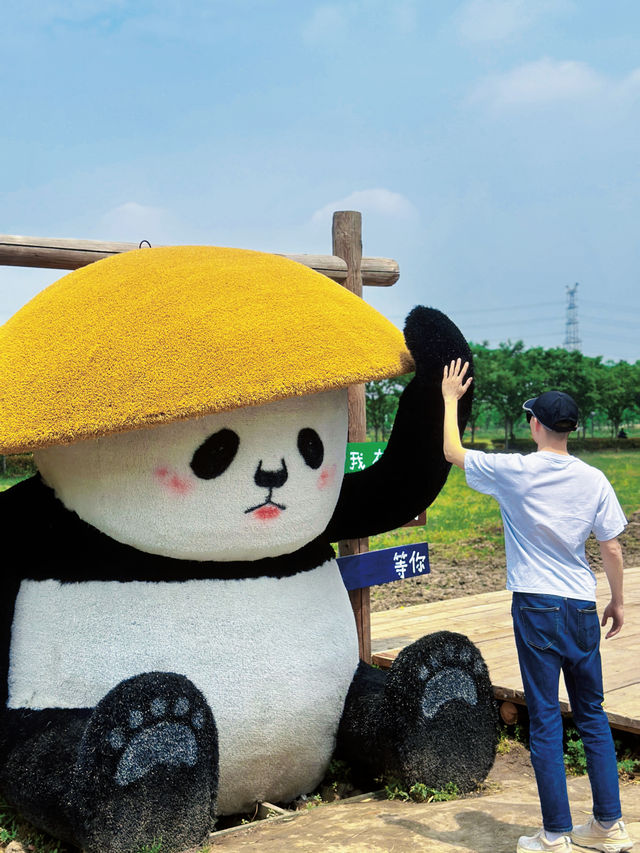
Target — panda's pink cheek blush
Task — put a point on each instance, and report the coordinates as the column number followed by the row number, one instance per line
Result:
column 327, row 477
column 172, row 482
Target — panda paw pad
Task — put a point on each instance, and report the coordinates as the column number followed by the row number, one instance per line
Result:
column 448, row 674
column 163, row 733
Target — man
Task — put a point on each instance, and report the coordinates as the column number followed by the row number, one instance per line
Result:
column 550, row 502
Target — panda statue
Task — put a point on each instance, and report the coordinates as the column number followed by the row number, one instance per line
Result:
column 177, row 642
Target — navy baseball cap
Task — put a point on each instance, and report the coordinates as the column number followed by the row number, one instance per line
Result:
column 555, row 410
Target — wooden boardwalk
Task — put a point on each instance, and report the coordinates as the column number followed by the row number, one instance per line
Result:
column 486, row 620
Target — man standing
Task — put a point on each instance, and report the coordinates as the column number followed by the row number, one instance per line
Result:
column 550, row 502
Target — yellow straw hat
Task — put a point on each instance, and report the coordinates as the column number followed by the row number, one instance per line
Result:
column 157, row 335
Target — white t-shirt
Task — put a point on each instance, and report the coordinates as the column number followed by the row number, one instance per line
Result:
column 550, row 503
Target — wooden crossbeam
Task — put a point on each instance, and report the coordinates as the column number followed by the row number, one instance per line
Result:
column 17, row 251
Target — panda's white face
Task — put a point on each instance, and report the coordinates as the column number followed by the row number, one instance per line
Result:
column 240, row 485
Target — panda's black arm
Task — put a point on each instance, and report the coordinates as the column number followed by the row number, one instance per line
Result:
column 408, row 476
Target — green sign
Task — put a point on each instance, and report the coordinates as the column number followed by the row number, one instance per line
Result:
column 362, row 454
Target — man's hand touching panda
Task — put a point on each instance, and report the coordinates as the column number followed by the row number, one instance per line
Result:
column 454, row 387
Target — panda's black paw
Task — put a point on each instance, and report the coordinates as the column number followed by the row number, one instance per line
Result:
column 147, row 766
column 439, row 713
column 164, row 732
column 449, row 674
column 433, row 341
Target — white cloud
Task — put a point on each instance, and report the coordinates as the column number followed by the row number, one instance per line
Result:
column 630, row 85
column 500, row 20
column 327, row 24
column 542, row 82
column 404, row 16
column 133, row 222
column 45, row 12
column 374, row 201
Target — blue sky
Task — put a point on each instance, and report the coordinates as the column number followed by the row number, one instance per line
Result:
column 491, row 145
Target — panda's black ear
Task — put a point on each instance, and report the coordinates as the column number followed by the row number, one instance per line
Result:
column 433, row 341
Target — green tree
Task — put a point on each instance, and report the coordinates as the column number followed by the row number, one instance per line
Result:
column 572, row 372
column 617, row 391
column 481, row 403
column 508, row 381
column 382, row 397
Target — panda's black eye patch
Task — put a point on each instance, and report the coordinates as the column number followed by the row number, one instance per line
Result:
column 310, row 447
column 214, row 455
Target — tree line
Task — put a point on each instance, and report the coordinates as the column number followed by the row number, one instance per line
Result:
column 605, row 391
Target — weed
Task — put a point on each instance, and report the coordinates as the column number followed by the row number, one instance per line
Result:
column 504, row 743
column 394, row 790
column 337, row 771
column 421, row 793
column 575, row 759
column 628, row 766
column 154, row 847
column 627, row 762
column 521, row 733
column 13, row 828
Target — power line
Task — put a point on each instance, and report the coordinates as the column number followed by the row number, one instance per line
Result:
column 503, row 308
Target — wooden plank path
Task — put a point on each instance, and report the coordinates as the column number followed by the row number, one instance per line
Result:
column 486, row 620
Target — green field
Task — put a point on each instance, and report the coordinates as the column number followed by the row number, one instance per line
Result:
column 465, row 521
column 7, row 482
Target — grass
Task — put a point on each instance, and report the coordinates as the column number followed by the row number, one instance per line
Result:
column 7, row 482
column 14, row 828
column 469, row 524
column 622, row 469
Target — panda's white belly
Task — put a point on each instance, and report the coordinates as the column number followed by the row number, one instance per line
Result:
column 274, row 658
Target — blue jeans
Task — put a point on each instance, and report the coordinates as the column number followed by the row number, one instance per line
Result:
column 554, row 633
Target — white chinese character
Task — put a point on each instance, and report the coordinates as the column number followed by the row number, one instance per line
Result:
column 400, row 563
column 378, row 454
column 417, row 562
column 356, row 461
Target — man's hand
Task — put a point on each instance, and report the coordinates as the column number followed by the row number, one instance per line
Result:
column 454, row 387
column 611, row 554
column 615, row 612
column 453, row 384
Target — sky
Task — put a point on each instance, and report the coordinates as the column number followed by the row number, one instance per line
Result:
column 491, row 145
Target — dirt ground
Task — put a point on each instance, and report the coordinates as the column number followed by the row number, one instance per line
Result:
column 452, row 579
column 486, row 822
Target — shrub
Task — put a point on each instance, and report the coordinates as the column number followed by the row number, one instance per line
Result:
column 18, row 465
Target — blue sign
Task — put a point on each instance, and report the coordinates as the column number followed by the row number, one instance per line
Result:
column 389, row 564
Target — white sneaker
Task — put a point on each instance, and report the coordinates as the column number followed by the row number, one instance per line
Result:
column 539, row 842
column 594, row 835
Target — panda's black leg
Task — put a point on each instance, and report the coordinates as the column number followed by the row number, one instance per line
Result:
column 147, row 767
column 440, row 714
column 433, row 720
column 39, row 751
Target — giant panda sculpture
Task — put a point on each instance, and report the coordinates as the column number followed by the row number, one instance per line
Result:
column 177, row 642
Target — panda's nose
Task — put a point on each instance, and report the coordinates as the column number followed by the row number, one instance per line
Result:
column 271, row 479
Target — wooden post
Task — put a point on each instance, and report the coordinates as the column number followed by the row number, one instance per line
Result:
column 347, row 244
